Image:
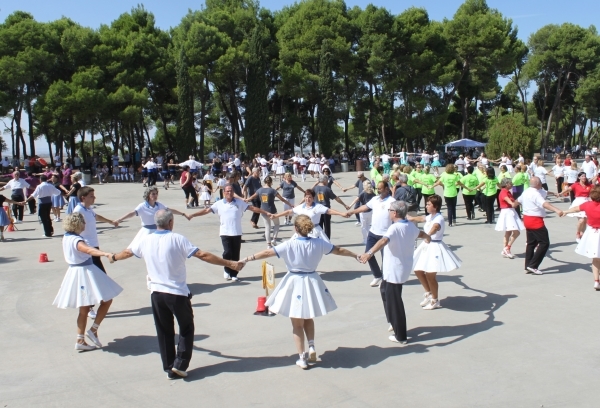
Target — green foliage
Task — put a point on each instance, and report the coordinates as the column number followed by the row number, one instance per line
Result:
column 186, row 131
column 326, row 121
column 509, row 135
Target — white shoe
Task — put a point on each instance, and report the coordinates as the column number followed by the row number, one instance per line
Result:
column 395, row 340
column 311, row 355
column 226, row 276
column 84, row 347
column 426, row 299
column 597, row 285
column 93, row 338
column 534, row 271
column 391, row 329
column 433, row 304
column 92, row 314
column 180, row 373
column 506, row 253
column 357, row 223
column 301, row 362
column 235, row 279
column 375, row 282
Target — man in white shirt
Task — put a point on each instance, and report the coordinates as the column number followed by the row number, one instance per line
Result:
column 398, row 247
column 380, row 222
column 460, row 164
column 230, row 211
column 44, row 193
column 192, row 164
column 589, row 167
column 303, row 163
column 19, row 192
column 263, row 168
column 152, row 172
column 534, row 204
column 165, row 253
column 5, row 165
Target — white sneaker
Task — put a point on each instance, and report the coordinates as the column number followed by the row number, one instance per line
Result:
column 506, row 253
column 226, row 276
column 357, row 224
column 235, row 279
column 426, row 299
column 375, row 282
column 92, row 314
column 433, row 304
column 84, row 347
column 395, row 340
column 597, row 285
column 391, row 329
column 311, row 355
column 534, row 271
column 301, row 362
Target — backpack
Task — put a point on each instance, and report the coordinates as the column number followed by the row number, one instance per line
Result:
column 409, row 195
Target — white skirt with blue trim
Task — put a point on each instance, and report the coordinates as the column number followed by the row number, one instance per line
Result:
column 301, row 296
column 85, row 286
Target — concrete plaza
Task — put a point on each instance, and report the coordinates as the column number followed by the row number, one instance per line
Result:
column 502, row 339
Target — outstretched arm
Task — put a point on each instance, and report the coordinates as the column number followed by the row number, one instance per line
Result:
column 283, row 214
column 199, row 213
column 106, row 220
column 126, row 216
column 267, row 253
column 215, row 260
column 379, row 245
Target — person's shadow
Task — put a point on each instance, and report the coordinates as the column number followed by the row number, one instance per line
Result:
column 142, row 311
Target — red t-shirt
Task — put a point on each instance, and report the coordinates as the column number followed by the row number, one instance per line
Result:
column 567, row 162
column 592, row 212
column 503, row 194
column 581, row 191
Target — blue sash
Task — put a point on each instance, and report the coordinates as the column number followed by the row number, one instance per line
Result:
column 149, row 226
column 84, row 263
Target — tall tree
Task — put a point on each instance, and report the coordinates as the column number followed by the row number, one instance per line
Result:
column 186, row 131
column 326, row 121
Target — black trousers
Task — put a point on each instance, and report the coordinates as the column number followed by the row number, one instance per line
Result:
column 516, row 195
column 571, row 193
column 165, row 307
column 17, row 209
column 44, row 214
column 426, row 196
column 488, row 205
column 32, row 206
column 451, row 207
column 391, row 295
column 469, row 205
column 536, row 238
column 97, row 260
column 231, row 251
column 419, row 196
column 325, row 224
column 255, row 216
column 190, row 190
column 355, row 207
column 152, row 178
column 479, row 197
column 371, row 241
column 559, row 184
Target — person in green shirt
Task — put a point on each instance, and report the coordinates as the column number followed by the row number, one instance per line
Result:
column 479, row 197
column 450, row 179
column 470, row 182
column 377, row 173
column 490, row 188
column 417, row 173
column 518, row 181
column 427, row 180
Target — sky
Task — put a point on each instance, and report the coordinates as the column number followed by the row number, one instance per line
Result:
column 527, row 15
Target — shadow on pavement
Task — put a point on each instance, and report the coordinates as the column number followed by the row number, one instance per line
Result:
column 133, row 346
column 343, row 276
column 201, row 288
column 141, row 311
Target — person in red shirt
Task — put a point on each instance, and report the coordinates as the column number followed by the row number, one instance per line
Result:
column 185, row 182
column 581, row 189
column 589, row 246
column 509, row 220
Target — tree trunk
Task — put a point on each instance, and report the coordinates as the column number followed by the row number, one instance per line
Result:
column 30, row 122
column 560, row 88
column 12, row 138
column 464, row 107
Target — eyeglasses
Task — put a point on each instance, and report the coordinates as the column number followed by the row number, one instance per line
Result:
column 390, row 210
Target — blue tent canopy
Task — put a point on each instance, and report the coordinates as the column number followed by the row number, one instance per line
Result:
column 464, row 143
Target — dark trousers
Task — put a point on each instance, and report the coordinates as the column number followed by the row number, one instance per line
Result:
column 44, row 214
column 255, row 216
column 165, row 306
column 419, row 196
column 479, row 199
column 559, row 184
column 371, row 241
column 536, row 238
column 32, row 206
column 190, row 191
column 17, row 209
column 97, row 260
column 355, row 207
column 516, row 195
column 325, row 224
column 469, row 205
column 391, row 295
column 231, row 251
column 152, row 178
column 451, row 207
column 571, row 193
column 488, row 205
column 425, row 196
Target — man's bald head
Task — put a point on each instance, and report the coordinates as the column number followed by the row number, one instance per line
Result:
column 535, row 182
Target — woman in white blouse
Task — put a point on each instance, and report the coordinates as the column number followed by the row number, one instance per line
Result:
column 146, row 210
column 302, row 295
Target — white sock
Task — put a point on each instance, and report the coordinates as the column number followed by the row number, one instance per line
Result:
column 301, row 356
column 311, row 343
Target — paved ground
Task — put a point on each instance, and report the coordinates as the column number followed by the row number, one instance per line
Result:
column 502, row 338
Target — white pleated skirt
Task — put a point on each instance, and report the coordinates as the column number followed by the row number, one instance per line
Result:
column 314, row 167
column 435, row 257
column 576, row 203
column 142, row 233
column 280, row 170
column 509, row 220
column 206, row 196
column 85, row 286
column 317, row 232
column 589, row 245
column 301, row 296
column 73, row 201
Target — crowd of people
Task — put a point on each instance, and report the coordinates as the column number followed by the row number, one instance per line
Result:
column 389, row 207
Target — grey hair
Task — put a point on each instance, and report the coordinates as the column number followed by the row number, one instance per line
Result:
column 323, row 179
column 505, row 182
column 360, row 174
column 149, row 190
column 385, row 177
column 402, row 178
column 400, row 208
column 78, row 175
column 162, row 218
column 368, row 187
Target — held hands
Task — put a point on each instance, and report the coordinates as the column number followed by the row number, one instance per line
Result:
column 189, row 218
column 347, row 207
column 364, row 258
column 109, row 256
column 237, row 265
column 115, row 224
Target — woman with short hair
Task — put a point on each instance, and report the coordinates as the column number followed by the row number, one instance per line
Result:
column 302, row 295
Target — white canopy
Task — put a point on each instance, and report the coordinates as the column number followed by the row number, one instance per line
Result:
column 465, row 143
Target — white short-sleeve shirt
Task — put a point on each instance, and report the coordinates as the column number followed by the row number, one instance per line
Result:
column 380, row 221
column 589, row 168
column 313, row 212
column 146, row 212
column 533, row 201
column 398, row 253
column 90, row 234
column 430, row 221
column 72, row 255
column 165, row 253
column 303, row 254
column 230, row 214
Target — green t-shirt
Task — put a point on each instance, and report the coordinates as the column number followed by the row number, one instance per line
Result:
column 519, row 179
column 449, row 181
column 480, row 176
column 417, row 176
column 491, row 186
column 504, row 175
column 428, row 180
column 470, row 181
column 411, row 179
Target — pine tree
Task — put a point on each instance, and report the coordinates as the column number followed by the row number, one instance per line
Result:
column 326, row 122
column 186, row 131
column 256, row 133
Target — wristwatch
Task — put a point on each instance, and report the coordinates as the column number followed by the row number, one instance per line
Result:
column 113, row 258
column 370, row 253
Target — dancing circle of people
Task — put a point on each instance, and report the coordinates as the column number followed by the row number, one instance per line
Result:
column 386, row 208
